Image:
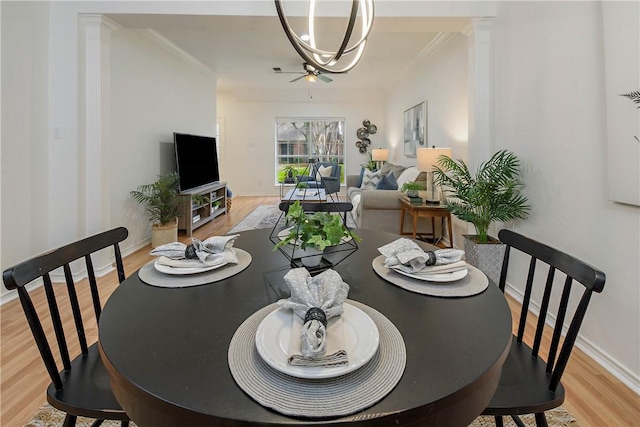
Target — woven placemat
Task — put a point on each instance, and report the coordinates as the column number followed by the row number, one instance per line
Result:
column 473, row 283
column 149, row 275
column 317, row 398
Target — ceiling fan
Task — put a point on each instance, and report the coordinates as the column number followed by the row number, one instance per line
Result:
column 310, row 74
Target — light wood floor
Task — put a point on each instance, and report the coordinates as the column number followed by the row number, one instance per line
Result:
column 594, row 396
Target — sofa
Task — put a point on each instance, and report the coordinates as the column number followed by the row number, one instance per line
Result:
column 377, row 208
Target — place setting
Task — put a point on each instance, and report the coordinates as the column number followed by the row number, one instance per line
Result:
column 203, row 261
column 317, row 354
column 442, row 272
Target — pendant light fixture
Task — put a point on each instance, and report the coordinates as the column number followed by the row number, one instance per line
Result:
column 331, row 61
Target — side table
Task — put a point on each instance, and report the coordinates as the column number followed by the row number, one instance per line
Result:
column 417, row 210
column 285, row 184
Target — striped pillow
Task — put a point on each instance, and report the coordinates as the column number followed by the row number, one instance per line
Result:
column 370, row 179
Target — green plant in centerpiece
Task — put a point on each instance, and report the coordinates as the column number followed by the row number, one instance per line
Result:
column 302, row 185
column 318, row 229
column 493, row 194
column 160, row 199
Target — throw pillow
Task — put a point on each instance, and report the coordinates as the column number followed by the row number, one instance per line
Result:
column 359, row 184
column 388, row 168
column 387, row 182
column 370, row 179
column 410, row 174
column 323, row 172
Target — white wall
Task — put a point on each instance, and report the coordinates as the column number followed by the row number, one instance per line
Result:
column 441, row 80
column 153, row 94
column 550, row 110
column 25, row 109
column 250, row 132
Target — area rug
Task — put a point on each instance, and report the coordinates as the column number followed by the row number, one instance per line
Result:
column 266, row 216
column 48, row 416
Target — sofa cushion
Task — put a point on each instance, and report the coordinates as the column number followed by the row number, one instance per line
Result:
column 396, row 170
column 387, row 182
column 352, row 191
column 370, row 179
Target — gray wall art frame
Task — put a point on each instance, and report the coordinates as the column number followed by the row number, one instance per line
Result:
column 622, row 65
column 415, row 128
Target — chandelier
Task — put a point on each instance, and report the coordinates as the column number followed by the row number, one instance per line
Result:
column 329, row 61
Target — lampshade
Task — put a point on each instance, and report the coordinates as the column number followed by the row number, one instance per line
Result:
column 380, row 154
column 428, row 157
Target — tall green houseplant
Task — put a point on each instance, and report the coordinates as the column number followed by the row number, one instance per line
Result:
column 160, row 199
column 163, row 207
column 492, row 194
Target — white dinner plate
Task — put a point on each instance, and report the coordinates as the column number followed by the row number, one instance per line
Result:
column 360, row 336
column 284, row 233
column 436, row 277
column 184, row 270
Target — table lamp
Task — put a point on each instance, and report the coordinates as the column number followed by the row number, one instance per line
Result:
column 427, row 159
column 380, row 155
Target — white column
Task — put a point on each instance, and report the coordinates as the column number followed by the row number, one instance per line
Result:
column 95, row 38
column 480, row 91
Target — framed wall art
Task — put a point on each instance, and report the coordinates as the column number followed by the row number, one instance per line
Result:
column 415, row 129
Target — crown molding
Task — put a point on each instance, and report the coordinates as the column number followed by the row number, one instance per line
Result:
column 176, row 51
column 429, row 50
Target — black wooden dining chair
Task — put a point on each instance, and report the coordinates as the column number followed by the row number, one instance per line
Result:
column 81, row 387
column 528, row 384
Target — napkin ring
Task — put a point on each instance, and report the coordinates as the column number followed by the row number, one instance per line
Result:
column 316, row 313
column 431, row 257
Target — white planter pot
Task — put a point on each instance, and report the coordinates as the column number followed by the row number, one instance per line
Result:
column 163, row 234
column 487, row 257
column 310, row 257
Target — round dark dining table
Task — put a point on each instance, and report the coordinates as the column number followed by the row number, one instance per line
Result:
column 166, row 348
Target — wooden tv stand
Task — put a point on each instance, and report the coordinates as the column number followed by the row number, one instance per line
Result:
column 196, row 214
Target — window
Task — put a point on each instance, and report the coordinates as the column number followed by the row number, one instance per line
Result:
column 299, row 139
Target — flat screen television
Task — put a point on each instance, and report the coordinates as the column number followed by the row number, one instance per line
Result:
column 196, row 160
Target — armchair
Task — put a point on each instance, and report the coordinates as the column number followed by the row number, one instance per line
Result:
column 330, row 183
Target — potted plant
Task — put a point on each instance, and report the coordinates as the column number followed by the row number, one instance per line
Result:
column 162, row 207
column 290, row 174
column 371, row 164
column 412, row 188
column 312, row 233
column 492, row 194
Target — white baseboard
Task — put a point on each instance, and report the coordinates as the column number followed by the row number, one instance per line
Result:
column 58, row 276
column 601, row 357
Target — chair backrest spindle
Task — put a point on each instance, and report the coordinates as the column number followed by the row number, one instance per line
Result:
column 75, row 309
column 57, row 323
column 93, row 285
column 544, row 308
column 526, row 300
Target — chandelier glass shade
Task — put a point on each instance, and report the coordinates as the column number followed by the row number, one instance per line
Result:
column 330, row 61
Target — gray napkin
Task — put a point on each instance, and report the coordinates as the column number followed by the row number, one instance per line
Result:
column 315, row 300
column 216, row 250
column 405, row 254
